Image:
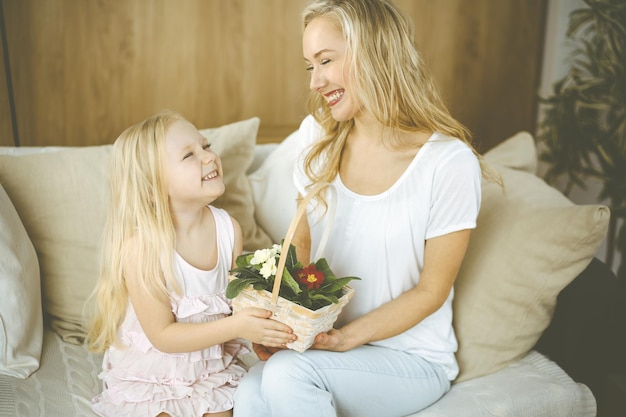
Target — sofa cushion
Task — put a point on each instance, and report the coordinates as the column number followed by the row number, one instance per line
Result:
column 234, row 143
column 21, row 321
column 62, row 197
column 533, row 386
column 517, row 152
column 62, row 387
column 530, row 242
column 273, row 189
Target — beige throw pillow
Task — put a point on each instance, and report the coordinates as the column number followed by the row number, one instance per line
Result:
column 62, row 197
column 21, row 322
column 530, row 242
column 234, row 143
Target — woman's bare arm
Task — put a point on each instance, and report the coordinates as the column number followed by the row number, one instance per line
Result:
column 442, row 260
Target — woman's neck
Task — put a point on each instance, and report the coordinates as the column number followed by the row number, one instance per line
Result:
column 367, row 129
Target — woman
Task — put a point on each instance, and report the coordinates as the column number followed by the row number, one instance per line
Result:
column 408, row 194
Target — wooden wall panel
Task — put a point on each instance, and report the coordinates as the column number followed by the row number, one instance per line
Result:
column 485, row 55
column 6, row 129
column 88, row 69
column 85, row 70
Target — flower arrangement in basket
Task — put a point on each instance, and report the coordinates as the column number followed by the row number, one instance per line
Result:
column 314, row 286
column 306, row 298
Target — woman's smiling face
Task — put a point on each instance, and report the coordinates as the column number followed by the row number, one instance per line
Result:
column 324, row 49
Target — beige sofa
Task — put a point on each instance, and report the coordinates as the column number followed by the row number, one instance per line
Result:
column 530, row 243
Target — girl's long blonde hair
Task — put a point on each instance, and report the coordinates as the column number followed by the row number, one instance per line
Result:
column 389, row 76
column 139, row 225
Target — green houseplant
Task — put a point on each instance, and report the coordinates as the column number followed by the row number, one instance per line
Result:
column 583, row 128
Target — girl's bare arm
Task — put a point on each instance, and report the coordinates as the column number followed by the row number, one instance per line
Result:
column 167, row 335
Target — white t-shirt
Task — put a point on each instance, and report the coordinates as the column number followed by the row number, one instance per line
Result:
column 380, row 238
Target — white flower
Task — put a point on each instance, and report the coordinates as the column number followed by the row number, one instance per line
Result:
column 269, row 268
column 276, row 250
column 260, row 256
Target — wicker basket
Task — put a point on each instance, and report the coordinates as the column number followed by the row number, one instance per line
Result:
column 305, row 323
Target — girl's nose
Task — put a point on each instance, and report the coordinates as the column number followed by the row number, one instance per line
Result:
column 208, row 156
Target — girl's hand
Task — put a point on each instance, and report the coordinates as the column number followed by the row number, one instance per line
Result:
column 256, row 326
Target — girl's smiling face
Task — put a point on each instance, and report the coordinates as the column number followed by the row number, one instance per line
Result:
column 193, row 170
column 324, row 49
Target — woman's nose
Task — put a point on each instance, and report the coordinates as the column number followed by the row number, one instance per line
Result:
column 317, row 80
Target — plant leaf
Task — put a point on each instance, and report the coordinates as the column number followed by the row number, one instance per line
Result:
column 325, row 297
column 290, row 282
column 237, row 285
column 243, row 261
column 247, row 273
column 322, row 265
column 337, row 284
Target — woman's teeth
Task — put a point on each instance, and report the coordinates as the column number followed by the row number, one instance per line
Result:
column 335, row 96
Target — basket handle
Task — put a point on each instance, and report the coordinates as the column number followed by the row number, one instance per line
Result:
column 292, row 229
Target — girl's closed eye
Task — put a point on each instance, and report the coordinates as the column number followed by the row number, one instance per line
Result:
column 205, row 147
column 189, row 155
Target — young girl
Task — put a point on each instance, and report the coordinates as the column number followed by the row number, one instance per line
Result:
column 161, row 315
column 408, row 188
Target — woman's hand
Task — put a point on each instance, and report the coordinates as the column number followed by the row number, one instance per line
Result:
column 256, row 325
column 264, row 352
column 334, row 340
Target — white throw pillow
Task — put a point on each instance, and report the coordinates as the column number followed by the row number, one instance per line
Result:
column 273, row 189
column 21, row 322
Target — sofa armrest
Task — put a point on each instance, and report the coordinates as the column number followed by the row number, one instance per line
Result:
column 586, row 335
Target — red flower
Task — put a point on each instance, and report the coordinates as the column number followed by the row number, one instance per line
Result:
column 310, row 276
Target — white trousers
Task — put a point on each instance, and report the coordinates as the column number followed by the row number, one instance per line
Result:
column 367, row 381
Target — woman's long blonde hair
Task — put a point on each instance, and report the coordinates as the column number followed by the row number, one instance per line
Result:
column 139, row 225
column 389, row 76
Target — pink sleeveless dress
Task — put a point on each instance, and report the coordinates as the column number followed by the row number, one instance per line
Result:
column 139, row 380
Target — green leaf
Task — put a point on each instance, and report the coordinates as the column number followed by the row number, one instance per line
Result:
column 325, row 297
column 247, row 273
column 322, row 265
column 237, row 285
column 243, row 261
column 337, row 284
column 292, row 259
column 306, row 303
column 290, row 282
